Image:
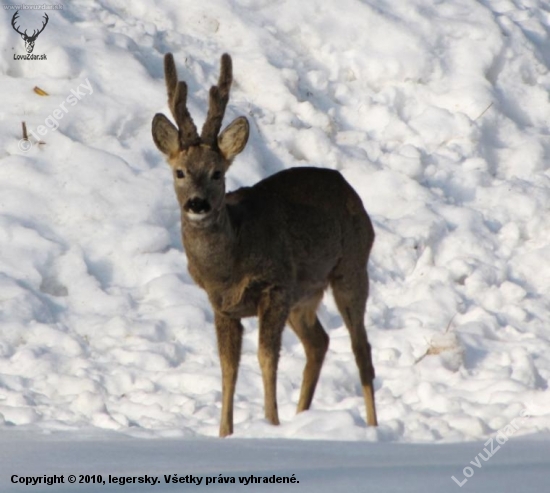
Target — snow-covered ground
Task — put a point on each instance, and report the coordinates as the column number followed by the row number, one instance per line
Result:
column 235, row 465
column 437, row 113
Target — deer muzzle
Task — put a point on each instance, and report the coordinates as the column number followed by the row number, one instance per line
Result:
column 197, row 205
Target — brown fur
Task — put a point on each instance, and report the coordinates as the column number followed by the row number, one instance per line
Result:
column 269, row 250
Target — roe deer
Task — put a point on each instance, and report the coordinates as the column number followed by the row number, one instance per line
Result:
column 269, row 250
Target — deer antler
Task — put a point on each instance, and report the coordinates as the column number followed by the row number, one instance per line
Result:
column 177, row 101
column 219, row 96
column 13, row 19
column 36, row 33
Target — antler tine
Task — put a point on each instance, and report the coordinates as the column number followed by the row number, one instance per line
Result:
column 171, row 78
column 188, row 131
column 219, row 96
column 177, row 101
column 36, row 32
column 226, row 76
column 13, row 20
column 44, row 23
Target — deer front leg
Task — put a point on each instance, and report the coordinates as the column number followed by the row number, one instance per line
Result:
column 229, row 333
column 273, row 311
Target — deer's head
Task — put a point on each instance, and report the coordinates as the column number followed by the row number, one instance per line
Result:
column 29, row 40
column 199, row 163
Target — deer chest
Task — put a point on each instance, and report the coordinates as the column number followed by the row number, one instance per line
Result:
column 237, row 300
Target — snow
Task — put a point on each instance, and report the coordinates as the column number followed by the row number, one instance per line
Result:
column 437, row 113
column 317, row 466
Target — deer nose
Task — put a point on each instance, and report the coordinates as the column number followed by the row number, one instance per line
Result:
column 197, row 205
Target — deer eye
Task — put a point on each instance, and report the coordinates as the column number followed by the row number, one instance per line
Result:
column 180, row 174
column 216, row 175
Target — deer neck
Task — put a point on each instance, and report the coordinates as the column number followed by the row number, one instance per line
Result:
column 209, row 249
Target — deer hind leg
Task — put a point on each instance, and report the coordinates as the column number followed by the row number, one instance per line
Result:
column 272, row 313
column 229, row 333
column 351, row 291
column 309, row 330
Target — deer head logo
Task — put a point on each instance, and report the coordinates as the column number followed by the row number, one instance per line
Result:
column 29, row 40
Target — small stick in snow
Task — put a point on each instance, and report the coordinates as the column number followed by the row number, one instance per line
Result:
column 483, row 112
column 435, row 349
column 26, row 135
column 39, row 91
column 452, row 318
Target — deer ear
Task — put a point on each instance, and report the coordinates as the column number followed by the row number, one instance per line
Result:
column 233, row 139
column 165, row 135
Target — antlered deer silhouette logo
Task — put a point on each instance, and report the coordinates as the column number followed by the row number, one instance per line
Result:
column 29, row 40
